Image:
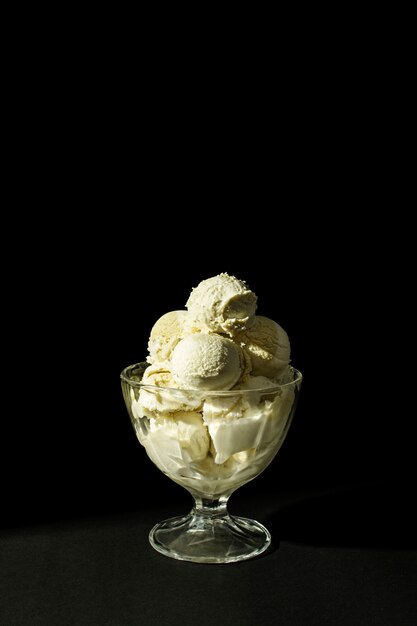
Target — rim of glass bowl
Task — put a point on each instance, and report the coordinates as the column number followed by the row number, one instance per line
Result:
column 126, row 377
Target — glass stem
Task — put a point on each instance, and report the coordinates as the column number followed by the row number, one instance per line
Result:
column 211, row 507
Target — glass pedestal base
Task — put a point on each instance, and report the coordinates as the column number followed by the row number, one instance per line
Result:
column 210, row 539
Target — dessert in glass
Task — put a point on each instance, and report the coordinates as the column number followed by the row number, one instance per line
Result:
column 212, row 406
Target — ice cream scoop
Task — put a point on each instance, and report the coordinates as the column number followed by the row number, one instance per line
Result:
column 205, row 361
column 165, row 334
column 267, row 345
column 222, row 304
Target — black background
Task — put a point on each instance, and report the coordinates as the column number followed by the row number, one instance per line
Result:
column 121, row 207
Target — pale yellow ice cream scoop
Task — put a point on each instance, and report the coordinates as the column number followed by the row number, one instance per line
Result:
column 222, row 304
column 268, row 347
column 167, row 331
column 207, row 361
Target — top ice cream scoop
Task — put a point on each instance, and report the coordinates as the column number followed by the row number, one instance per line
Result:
column 222, row 304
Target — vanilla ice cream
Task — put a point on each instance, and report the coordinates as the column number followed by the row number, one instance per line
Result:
column 250, row 423
column 214, row 405
column 267, row 346
column 158, row 395
column 210, row 361
column 222, row 304
column 165, row 334
column 173, row 441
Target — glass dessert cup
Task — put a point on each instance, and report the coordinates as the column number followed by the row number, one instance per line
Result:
column 211, row 443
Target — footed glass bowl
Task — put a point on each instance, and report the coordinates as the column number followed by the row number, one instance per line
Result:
column 211, row 443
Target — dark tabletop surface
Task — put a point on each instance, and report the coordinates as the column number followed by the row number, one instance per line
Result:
column 335, row 559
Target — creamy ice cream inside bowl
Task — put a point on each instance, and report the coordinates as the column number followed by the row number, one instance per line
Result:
column 210, row 442
column 212, row 406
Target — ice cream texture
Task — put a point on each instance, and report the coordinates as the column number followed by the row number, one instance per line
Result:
column 222, row 304
column 212, row 406
column 207, row 361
